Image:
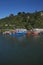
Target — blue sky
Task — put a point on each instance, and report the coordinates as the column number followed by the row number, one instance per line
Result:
column 14, row 6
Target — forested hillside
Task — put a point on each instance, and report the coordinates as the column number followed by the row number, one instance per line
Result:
column 22, row 20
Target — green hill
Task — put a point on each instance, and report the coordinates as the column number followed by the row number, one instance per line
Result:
column 23, row 20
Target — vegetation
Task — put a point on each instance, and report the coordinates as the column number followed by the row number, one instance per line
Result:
column 22, row 20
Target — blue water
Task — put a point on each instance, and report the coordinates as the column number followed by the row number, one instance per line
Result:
column 21, row 50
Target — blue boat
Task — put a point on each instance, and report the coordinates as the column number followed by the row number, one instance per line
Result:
column 41, row 33
column 18, row 34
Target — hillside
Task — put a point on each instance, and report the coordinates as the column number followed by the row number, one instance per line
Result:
column 23, row 20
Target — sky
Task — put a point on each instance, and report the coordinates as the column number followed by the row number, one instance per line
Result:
column 8, row 7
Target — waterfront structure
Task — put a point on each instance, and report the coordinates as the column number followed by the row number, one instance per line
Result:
column 38, row 30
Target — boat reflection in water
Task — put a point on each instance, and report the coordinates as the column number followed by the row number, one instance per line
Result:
column 35, row 35
column 29, row 33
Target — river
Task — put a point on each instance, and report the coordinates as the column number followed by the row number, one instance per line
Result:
column 21, row 50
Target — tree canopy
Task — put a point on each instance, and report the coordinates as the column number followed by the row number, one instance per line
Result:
column 22, row 20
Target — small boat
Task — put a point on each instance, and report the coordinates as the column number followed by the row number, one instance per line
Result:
column 41, row 33
column 6, row 33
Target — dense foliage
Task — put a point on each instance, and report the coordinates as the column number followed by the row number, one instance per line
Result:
column 23, row 20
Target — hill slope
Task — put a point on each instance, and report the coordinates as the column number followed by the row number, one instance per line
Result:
column 23, row 20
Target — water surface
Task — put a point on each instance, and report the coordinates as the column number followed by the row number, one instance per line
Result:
column 21, row 50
